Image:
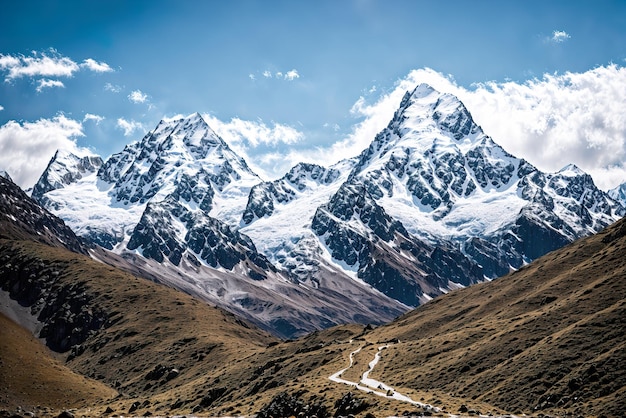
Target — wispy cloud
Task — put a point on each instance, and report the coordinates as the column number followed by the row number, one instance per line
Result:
column 45, row 64
column 27, row 147
column 129, row 126
column 94, row 118
column 335, row 127
column 137, row 96
column 559, row 36
column 113, row 88
column 45, row 83
column 93, row 65
column 277, row 75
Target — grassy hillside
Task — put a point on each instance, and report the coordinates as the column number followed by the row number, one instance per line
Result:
column 549, row 337
column 30, row 376
column 151, row 339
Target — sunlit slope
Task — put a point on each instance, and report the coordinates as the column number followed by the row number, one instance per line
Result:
column 549, row 337
column 31, row 377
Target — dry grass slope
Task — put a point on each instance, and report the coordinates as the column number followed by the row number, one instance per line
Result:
column 30, row 376
column 550, row 337
column 155, row 339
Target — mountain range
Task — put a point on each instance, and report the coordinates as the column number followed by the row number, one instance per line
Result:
column 545, row 340
column 432, row 205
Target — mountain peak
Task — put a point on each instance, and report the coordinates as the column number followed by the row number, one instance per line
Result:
column 6, row 175
column 423, row 90
column 571, row 170
column 64, row 168
column 425, row 109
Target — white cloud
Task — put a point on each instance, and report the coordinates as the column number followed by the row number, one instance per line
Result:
column 278, row 75
column 44, row 84
column 549, row 121
column 91, row 117
column 8, row 61
column 93, row 65
column 42, row 65
column 129, row 126
column 27, row 147
column 292, row 75
column 1, row 108
column 112, row 88
column 253, row 133
column 47, row 64
column 137, row 96
column 559, row 36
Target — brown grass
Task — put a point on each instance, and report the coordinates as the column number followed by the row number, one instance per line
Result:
column 30, row 376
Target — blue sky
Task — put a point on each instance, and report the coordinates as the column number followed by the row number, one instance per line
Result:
column 285, row 81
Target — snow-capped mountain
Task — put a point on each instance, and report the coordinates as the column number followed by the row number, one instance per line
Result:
column 172, row 203
column 619, row 194
column 5, row 175
column 434, row 170
column 65, row 168
column 431, row 205
column 278, row 216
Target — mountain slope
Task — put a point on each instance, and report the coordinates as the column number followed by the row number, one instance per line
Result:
column 278, row 217
column 141, row 338
column 547, row 338
column 46, row 382
column 20, row 216
column 619, row 194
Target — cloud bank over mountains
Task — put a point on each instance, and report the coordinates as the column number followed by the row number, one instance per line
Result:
column 550, row 121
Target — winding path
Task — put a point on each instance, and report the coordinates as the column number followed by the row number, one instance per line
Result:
column 375, row 387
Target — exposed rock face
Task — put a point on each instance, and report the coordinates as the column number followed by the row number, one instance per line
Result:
column 285, row 405
column 169, row 230
column 64, row 310
column 17, row 210
column 359, row 232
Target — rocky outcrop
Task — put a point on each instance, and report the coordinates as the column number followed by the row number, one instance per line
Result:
column 65, row 311
column 22, row 215
column 358, row 232
column 286, row 405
